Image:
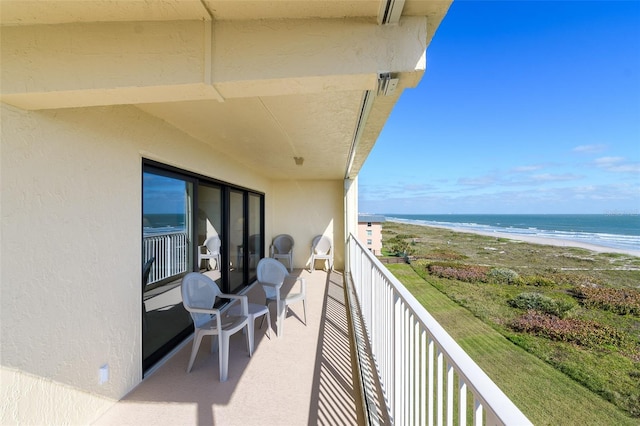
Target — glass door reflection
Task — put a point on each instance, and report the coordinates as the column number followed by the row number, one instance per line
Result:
column 236, row 240
column 167, row 253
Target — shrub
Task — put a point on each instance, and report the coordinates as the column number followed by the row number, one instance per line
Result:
column 400, row 246
column 445, row 254
column 459, row 271
column 541, row 303
column 405, row 236
column 537, row 280
column 503, row 276
column 575, row 279
column 622, row 301
column 583, row 333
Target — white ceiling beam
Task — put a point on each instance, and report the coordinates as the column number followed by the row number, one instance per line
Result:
column 77, row 65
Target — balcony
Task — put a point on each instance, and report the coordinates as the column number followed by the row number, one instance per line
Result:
column 408, row 369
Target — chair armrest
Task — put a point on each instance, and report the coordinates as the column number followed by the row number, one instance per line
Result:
column 276, row 286
column 211, row 311
column 244, row 301
column 303, row 284
column 271, row 291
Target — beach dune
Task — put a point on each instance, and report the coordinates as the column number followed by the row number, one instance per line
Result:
column 546, row 241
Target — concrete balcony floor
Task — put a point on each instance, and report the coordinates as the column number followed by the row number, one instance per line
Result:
column 304, row 377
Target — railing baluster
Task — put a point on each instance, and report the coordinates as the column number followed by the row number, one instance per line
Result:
column 462, row 398
column 477, row 413
column 423, row 376
column 450, row 371
column 397, row 355
column 415, row 370
column 411, row 371
column 432, row 346
column 440, row 388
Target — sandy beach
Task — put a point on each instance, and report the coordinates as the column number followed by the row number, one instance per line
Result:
column 547, row 241
column 538, row 240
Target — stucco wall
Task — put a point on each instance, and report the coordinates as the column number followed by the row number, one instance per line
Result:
column 304, row 209
column 71, row 226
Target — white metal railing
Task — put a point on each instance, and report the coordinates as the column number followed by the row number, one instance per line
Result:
column 171, row 252
column 425, row 375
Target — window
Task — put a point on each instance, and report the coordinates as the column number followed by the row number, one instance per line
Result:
column 208, row 219
column 369, row 224
column 369, row 232
column 236, row 240
column 167, row 200
column 180, row 210
column 256, row 225
column 369, row 242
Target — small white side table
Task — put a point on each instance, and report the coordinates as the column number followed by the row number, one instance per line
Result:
column 255, row 311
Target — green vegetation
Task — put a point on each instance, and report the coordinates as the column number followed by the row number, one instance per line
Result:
column 541, row 303
column 574, row 312
column 399, row 245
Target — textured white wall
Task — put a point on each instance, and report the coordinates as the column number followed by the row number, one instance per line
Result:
column 71, row 227
column 304, row 209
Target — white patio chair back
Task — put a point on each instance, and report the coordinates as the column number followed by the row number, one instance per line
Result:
column 211, row 248
column 199, row 294
column 282, row 248
column 271, row 276
column 321, row 249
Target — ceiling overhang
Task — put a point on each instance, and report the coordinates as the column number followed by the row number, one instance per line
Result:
column 263, row 82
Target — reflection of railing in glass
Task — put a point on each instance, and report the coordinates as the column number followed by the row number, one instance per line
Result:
column 171, row 252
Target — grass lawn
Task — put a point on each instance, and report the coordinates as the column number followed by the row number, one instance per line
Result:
column 544, row 394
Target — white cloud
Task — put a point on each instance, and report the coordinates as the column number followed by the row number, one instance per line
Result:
column 486, row 180
column 412, row 187
column 617, row 165
column 607, row 161
column 526, row 169
column 550, row 177
column 590, row 149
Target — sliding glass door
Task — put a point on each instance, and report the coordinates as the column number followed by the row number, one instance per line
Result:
column 209, row 228
column 256, row 239
column 192, row 223
column 236, row 240
column 167, row 252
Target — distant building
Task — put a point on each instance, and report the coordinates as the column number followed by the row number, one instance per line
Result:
column 370, row 232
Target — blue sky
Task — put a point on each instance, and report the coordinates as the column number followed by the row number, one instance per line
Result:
column 525, row 107
column 163, row 195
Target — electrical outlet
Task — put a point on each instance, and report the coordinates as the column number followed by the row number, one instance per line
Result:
column 104, row 374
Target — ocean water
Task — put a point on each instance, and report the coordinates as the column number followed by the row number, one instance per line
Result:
column 162, row 223
column 621, row 231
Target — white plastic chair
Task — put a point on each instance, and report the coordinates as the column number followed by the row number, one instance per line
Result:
column 199, row 294
column 211, row 249
column 282, row 248
column 271, row 275
column 321, row 249
column 255, row 311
